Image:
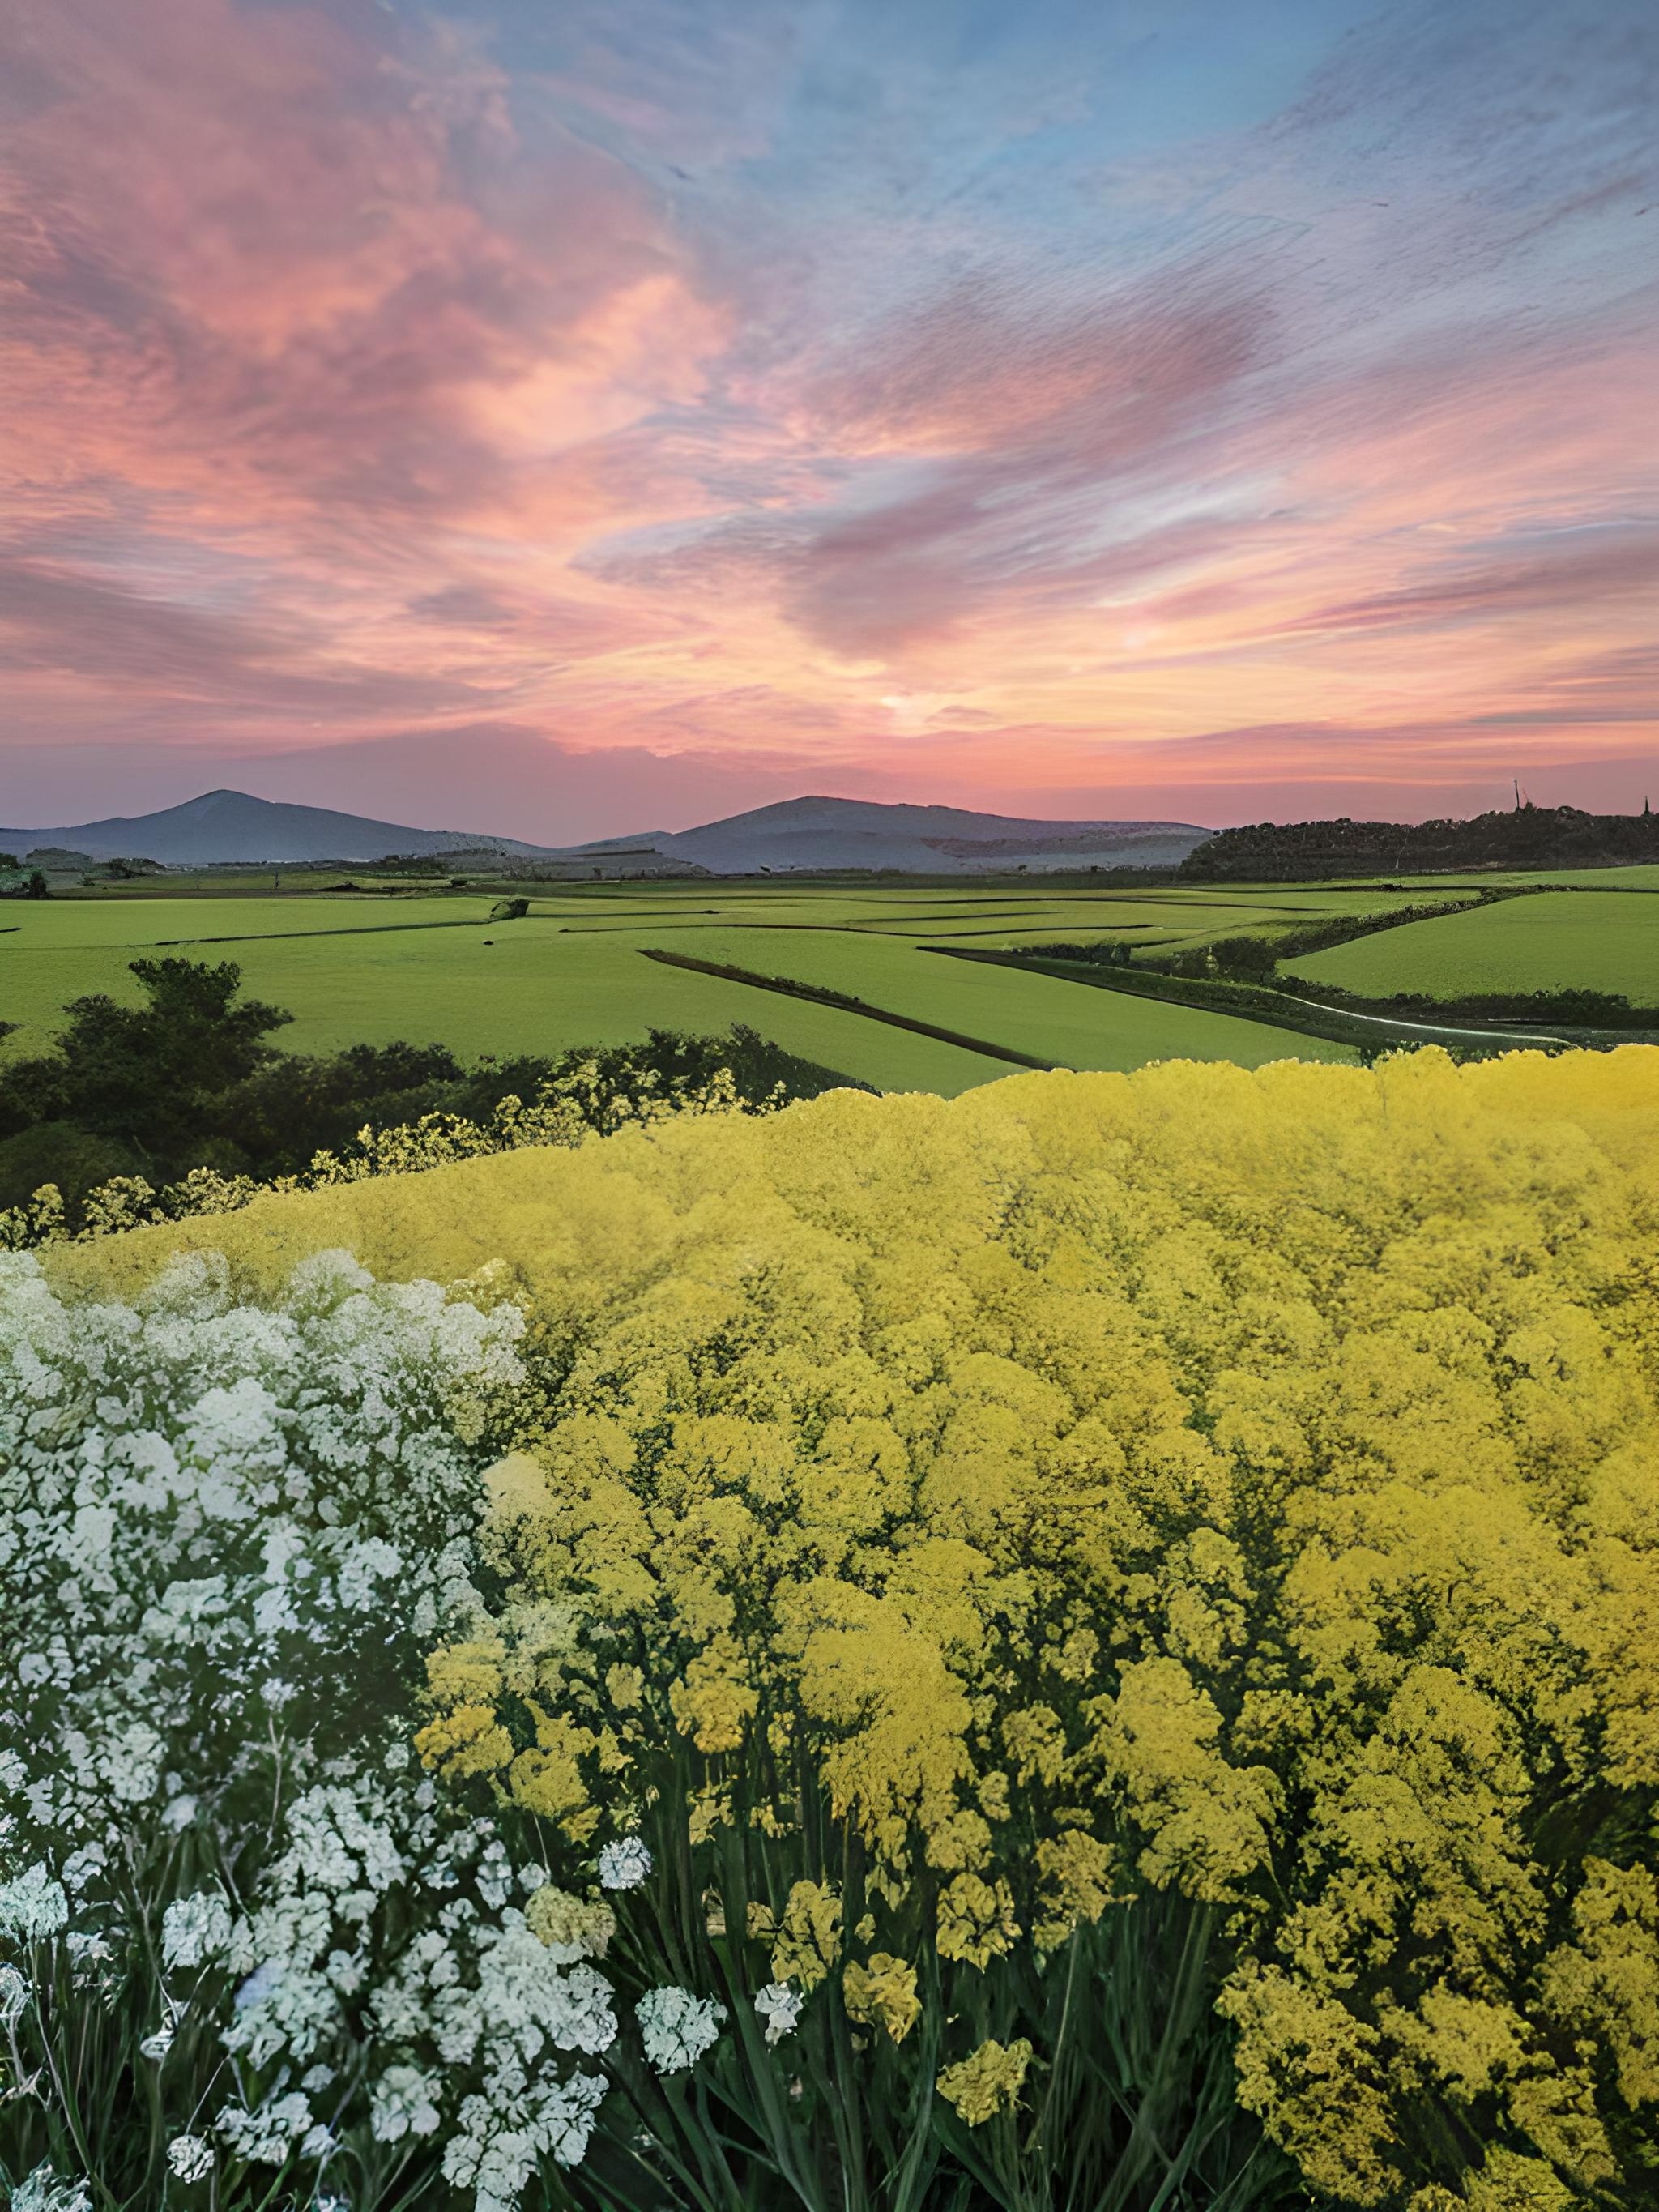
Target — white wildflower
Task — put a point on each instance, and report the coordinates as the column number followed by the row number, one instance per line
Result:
column 190, row 2157
column 677, row 2027
column 779, row 2007
column 34, row 1906
column 228, row 1536
column 292, row 2010
column 363, row 1568
column 403, row 2105
column 266, row 2135
column 195, row 1929
column 131, row 1763
column 80, row 1867
column 624, row 1865
column 336, row 1845
column 501, row 2136
column 42, row 2191
column 565, row 2115
column 523, row 2001
column 495, row 1875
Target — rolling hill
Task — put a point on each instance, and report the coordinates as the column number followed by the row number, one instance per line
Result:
column 230, row 825
column 853, row 833
column 795, row 834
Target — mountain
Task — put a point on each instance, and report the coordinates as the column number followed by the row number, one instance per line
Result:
column 228, row 825
column 794, row 834
column 856, row 833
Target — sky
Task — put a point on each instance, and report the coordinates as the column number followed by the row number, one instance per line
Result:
column 569, row 417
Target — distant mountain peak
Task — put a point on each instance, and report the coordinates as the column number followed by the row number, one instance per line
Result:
column 816, row 832
column 221, row 826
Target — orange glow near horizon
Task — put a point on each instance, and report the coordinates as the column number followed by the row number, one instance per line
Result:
column 684, row 406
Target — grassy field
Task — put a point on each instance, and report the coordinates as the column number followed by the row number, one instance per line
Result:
column 433, row 966
column 1595, row 940
column 1054, row 1020
column 427, row 963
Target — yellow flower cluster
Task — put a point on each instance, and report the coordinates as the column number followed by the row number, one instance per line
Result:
column 988, row 2081
column 883, row 1994
column 943, row 1521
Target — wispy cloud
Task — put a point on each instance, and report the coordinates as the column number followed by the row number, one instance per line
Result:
column 983, row 404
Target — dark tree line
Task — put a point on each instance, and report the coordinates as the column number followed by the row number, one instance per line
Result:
column 1524, row 837
column 191, row 1077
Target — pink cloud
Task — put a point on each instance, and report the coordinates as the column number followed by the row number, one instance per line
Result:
column 366, row 388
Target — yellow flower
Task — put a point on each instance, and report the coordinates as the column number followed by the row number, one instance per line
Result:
column 808, row 1942
column 715, row 1702
column 882, row 1994
column 1035, row 1742
column 988, row 2081
column 468, row 1740
column 976, row 1920
column 1075, row 1874
column 568, row 1924
column 464, row 1674
column 1208, row 1820
column 547, row 1778
column 1248, row 1480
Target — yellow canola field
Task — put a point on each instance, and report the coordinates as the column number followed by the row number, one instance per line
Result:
column 1242, row 1486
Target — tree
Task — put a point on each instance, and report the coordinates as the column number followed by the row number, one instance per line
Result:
column 58, row 1153
column 145, row 1076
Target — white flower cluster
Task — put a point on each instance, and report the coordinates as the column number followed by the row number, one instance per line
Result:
column 779, row 2007
column 227, row 1537
column 32, row 1906
column 624, row 1865
column 677, row 2027
column 43, row 2191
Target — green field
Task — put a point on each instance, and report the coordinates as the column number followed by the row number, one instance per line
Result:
column 427, row 965
column 1596, row 940
column 433, row 967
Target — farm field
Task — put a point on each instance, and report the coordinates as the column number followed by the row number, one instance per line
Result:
column 430, row 966
column 72, row 925
column 1585, row 940
column 533, row 989
column 1633, row 876
column 433, row 967
column 1052, row 1020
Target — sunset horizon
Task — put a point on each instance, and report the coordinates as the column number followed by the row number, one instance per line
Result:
column 574, row 424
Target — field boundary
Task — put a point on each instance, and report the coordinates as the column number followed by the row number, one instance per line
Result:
column 287, row 936
column 1332, row 1025
column 820, row 995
